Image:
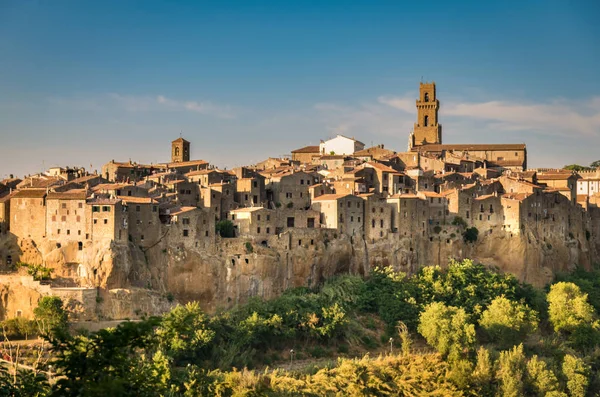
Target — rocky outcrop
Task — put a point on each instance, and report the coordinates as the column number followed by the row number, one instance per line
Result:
column 132, row 282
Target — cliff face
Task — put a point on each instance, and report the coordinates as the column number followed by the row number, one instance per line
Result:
column 131, row 283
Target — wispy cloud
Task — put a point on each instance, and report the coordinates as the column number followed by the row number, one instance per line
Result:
column 558, row 117
column 148, row 103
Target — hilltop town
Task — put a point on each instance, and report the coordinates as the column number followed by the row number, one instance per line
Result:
column 136, row 238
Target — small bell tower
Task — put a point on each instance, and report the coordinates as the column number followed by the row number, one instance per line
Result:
column 180, row 150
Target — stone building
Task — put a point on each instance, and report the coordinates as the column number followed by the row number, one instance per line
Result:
column 251, row 191
column 143, row 220
column 305, row 155
column 109, row 219
column 28, row 214
column 561, row 181
column 343, row 212
column 377, row 217
column 290, row 189
column 68, row 217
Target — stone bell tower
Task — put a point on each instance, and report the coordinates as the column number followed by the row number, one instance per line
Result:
column 427, row 130
column 180, row 150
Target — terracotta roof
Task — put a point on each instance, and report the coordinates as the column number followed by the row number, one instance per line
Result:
column 86, row 178
column 330, row 197
column 430, row 194
column 102, row 201
column 404, row 196
column 137, row 200
column 200, row 172
column 556, row 176
column 186, row 163
column 307, row 149
column 332, row 157
column 484, row 197
column 30, row 193
column 247, row 209
column 111, row 186
column 473, row 147
column 380, row 167
column 516, row 196
column 6, row 197
column 79, row 194
column 182, row 210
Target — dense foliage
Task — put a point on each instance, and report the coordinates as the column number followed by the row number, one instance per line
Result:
column 488, row 334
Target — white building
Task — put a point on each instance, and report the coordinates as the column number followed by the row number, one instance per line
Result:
column 341, row 145
column 589, row 184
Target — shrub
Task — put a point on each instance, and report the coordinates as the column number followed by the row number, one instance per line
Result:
column 568, row 307
column 18, row 328
column 460, row 222
column 507, row 321
column 249, row 248
column 290, row 205
column 447, row 329
column 437, row 229
column 470, row 235
column 225, row 229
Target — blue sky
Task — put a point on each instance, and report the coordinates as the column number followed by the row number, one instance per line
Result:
column 85, row 82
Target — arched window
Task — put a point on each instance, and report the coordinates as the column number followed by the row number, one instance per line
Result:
column 176, row 151
column 426, row 121
column 426, row 97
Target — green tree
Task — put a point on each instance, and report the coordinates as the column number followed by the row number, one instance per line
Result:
column 511, row 372
column 50, row 315
column 577, row 373
column 540, row 379
column 507, row 321
column 225, row 229
column 470, row 235
column 483, row 374
column 568, row 307
column 595, row 164
column 108, row 363
column 576, row 167
column 447, row 329
column 184, row 333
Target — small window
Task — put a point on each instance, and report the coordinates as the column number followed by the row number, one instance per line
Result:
column 425, row 121
column 138, row 208
column 80, row 246
column 258, row 230
column 64, row 206
column 186, row 232
column 80, row 205
column 268, row 230
column 106, row 221
column 426, row 98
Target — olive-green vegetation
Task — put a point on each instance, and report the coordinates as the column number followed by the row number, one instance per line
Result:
column 486, row 334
